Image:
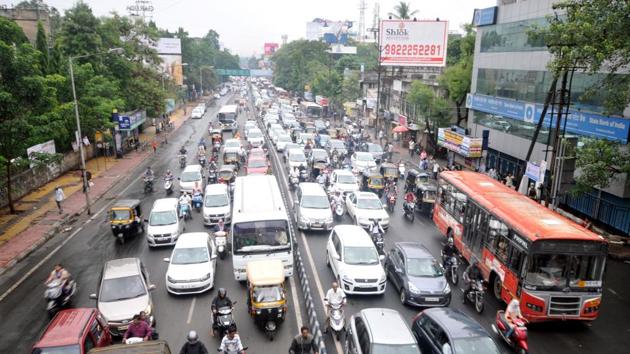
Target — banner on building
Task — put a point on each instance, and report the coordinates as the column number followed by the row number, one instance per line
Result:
column 459, row 143
column 170, row 51
column 43, row 148
column 413, row 43
column 270, row 48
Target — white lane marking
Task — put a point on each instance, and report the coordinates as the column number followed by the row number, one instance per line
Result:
column 190, row 312
column 612, row 291
column 296, row 302
column 53, row 252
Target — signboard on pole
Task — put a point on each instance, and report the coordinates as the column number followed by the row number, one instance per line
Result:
column 413, row 43
column 532, row 171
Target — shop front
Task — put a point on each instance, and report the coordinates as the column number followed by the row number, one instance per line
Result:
column 462, row 150
column 128, row 129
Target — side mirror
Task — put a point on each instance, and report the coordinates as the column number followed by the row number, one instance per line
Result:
column 337, row 257
column 166, row 259
column 146, row 220
column 93, row 296
column 152, row 287
column 178, row 178
column 398, row 270
column 381, row 257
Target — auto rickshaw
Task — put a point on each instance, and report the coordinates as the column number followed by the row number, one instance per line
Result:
column 232, row 158
column 125, row 218
column 227, row 174
column 217, row 139
column 410, row 181
column 266, row 295
column 426, row 193
column 373, row 182
column 389, row 171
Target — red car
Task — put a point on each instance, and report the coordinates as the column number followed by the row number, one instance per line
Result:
column 74, row 331
column 257, row 166
column 258, row 153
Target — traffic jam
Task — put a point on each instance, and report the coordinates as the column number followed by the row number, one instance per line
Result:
column 270, row 176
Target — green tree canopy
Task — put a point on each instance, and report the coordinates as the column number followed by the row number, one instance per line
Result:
column 435, row 110
column 402, row 11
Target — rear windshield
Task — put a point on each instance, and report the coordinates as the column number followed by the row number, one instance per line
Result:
column 66, row 349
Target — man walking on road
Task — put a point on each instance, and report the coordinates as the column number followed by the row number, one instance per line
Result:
column 381, row 135
column 59, row 197
column 303, row 343
column 412, row 145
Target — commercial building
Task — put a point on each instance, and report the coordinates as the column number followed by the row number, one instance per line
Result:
column 509, row 84
column 27, row 19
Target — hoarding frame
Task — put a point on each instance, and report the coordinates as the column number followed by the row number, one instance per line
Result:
column 410, row 36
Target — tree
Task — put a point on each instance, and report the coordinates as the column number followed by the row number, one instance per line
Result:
column 297, row 63
column 252, row 62
column 79, row 32
column 599, row 163
column 435, row 110
column 403, row 11
column 327, row 83
column 350, row 89
column 41, row 43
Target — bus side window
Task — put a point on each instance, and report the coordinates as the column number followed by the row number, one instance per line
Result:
column 497, row 238
column 516, row 259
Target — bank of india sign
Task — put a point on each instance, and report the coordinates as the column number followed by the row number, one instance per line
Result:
column 413, row 43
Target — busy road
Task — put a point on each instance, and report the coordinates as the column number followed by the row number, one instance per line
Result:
column 85, row 247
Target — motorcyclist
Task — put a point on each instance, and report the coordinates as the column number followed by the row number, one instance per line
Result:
column 59, row 273
column 301, row 168
column 334, row 297
column 448, row 251
column 471, row 274
column 337, row 197
column 231, row 342
column 148, row 174
column 182, row 150
column 212, row 166
column 138, row 328
column 169, row 176
column 376, row 227
column 512, row 312
column 193, row 345
column 221, row 300
column 321, row 179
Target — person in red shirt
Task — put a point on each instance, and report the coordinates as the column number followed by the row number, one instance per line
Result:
column 410, row 197
column 138, row 328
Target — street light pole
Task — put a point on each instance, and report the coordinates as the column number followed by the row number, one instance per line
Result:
column 80, row 142
column 201, row 80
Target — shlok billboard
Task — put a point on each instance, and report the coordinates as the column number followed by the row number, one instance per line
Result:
column 413, row 43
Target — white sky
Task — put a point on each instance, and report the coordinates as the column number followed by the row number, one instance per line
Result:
column 245, row 25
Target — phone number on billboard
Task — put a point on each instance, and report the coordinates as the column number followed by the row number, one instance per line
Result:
column 412, row 49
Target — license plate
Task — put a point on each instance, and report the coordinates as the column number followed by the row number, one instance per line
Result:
column 187, row 286
column 123, row 328
column 432, row 299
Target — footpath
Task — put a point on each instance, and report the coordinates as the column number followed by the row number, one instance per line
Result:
column 38, row 218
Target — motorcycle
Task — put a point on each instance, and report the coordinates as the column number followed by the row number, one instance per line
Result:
column 220, row 239
column 337, row 320
column 184, row 211
column 232, row 352
column 377, row 238
column 401, row 170
column 450, row 266
column 339, row 209
column 224, row 320
column 518, row 338
column 410, row 210
column 182, row 161
column 202, row 160
column 303, row 175
column 55, row 296
column 391, row 202
column 168, row 186
column 148, row 185
column 197, row 201
column 476, row 295
column 293, row 182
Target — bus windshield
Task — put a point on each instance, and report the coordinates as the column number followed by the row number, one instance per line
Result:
column 261, row 236
column 558, row 271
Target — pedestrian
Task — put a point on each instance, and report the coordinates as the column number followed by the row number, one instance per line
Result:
column 59, row 197
column 303, row 343
column 381, row 135
column 412, row 145
column 509, row 180
column 136, row 142
column 154, row 146
column 436, row 169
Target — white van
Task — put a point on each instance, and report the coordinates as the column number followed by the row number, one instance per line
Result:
column 216, row 204
column 191, row 177
column 164, row 226
column 312, row 208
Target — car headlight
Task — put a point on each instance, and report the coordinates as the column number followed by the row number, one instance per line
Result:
column 382, row 278
column 329, row 219
column 447, row 289
column 206, row 277
column 304, row 218
column 171, row 280
column 364, row 221
column 413, row 288
column 346, row 278
column 148, row 309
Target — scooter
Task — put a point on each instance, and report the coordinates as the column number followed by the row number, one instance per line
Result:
column 518, row 339
column 337, row 320
column 197, row 201
column 401, row 170
column 233, row 352
column 202, row 160
column 184, row 211
column 410, row 210
column 224, row 320
column 339, row 209
column 56, row 298
column 220, row 240
column 293, row 182
column 476, row 295
column 168, row 186
column 450, row 266
column 303, row 175
column 182, row 161
column 391, row 201
column 148, row 185
column 212, row 176
column 377, row 238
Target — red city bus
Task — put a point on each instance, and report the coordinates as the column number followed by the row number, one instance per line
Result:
column 551, row 264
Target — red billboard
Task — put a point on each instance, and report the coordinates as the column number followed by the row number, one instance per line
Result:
column 271, row 48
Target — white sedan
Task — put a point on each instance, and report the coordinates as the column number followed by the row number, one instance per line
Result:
column 233, row 145
column 192, row 265
column 364, row 207
column 363, row 160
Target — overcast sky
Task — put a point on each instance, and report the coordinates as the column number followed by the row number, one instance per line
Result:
column 244, row 25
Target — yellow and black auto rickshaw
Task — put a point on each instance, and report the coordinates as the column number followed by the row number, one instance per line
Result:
column 227, row 174
column 373, row 182
column 231, row 158
column 125, row 218
column 426, row 193
column 266, row 295
column 389, row 171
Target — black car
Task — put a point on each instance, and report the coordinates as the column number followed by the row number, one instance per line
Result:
column 419, row 278
column 447, row 330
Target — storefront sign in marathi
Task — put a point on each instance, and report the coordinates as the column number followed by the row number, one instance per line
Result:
column 129, row 121
column 461, row 144
column 581, row 123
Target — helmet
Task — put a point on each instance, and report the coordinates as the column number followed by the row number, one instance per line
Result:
column 168, row 172
column 449, row 241
column 222, row 292
column 192, row 337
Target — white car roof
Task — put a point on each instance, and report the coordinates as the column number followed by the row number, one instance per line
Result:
column 366, row 195
column 312, row 188
column 296, row 151
column 353, row 235
column 118, row 268
column 216, row 188
column 192, row 239
column 164, row 204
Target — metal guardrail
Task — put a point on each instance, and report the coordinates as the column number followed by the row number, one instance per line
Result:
column 298, row 267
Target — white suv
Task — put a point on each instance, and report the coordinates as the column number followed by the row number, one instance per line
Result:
column 216, row 204
column 354, row 261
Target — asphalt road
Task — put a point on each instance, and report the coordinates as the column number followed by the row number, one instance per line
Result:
column 23, row 310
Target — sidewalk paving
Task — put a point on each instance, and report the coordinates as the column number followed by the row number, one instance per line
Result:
column 38, row 218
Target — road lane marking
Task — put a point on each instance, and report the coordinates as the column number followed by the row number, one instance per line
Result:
column 614, row 292
column 296, row 301
column 190, row 311
column 54, row 251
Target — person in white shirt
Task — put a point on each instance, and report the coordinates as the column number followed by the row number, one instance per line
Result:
column 231, row 343
column 512, row 312
column 334, row 296
column 436, row 169
column 59, row 197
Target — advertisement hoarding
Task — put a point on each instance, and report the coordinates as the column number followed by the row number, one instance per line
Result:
column 172, row 66
column 485, row 17
column 43, row 148
column 413, row 43
column 461, row 144
column 271, row 48
column 169, row 46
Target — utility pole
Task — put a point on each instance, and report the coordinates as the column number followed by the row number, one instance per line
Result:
column 80, row 140
column 556, row 139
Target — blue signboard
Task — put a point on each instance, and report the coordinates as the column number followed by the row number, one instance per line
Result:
column 124, row 122
column 485, row 17
column 581, row 123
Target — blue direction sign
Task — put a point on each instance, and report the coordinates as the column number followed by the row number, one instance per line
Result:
column 233, row 72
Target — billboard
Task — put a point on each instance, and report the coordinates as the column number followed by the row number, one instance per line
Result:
column 271, row 48
column 413, row 43
column 169, row 46
column 43, row 148
column 459, row 143
column 170, row 51
column 485, row 17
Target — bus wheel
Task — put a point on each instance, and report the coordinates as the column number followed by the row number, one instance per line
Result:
column 497, row 286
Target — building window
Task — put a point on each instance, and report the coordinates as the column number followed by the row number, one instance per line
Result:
column 513, row 37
